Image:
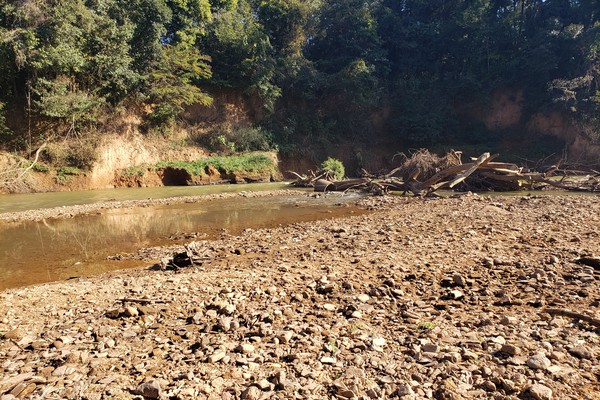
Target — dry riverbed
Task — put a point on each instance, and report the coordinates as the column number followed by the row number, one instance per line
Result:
column 444, row 299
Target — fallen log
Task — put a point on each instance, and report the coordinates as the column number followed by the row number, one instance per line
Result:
column 321, row 185
column 464, row 175
column 449, row 172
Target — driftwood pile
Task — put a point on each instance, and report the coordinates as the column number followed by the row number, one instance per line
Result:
column 424, row 173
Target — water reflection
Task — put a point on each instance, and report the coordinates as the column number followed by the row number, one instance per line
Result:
column 29, row 201
column 50, row 250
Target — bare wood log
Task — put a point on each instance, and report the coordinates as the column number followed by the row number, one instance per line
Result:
column 142, row 301
column 350, row 183
column 481, row 160
column 574, row 315
column 501, row 165
column 321, row 185
column 464, row 175
column 593, row 262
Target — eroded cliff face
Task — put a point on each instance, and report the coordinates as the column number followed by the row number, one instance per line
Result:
column 506, row 114
column 122, row 146
column 117, row 153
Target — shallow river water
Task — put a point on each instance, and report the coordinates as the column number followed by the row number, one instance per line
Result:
column 58, row 249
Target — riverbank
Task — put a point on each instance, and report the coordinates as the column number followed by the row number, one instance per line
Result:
column 442, row 298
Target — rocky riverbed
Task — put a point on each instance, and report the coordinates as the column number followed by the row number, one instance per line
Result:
column 448, row 298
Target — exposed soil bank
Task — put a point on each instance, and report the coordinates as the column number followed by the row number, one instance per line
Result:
column 420, row 299
column 120, row 161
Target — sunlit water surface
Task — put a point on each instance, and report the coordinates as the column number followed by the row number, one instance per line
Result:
column 58, row 249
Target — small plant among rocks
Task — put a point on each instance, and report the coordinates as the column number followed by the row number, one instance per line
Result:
column 426, row 326
column 333, row 168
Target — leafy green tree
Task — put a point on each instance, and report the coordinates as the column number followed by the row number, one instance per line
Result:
column 110, row 71
column 172, row 84
column 149, row 18
column 241, row 53
column 188, row 21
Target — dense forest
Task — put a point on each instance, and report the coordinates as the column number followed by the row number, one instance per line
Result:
column 321, row 69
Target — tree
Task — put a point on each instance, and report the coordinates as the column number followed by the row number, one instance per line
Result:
column 172, row 84
column 241, row 53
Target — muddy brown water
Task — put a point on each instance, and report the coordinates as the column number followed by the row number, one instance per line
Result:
column 59, row 249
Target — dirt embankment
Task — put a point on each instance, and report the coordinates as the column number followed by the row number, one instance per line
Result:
column 444, row 299
column 506, row 115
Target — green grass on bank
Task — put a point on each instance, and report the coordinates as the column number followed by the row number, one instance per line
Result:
column 254, row 163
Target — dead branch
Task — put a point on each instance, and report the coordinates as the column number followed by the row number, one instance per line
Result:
column 142, row 301
column 436, row 173
column 574, row 315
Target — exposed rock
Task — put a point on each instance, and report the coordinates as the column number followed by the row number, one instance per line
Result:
column 538, row 361
column 150, row 390
column 540, row 392
column 353, row 308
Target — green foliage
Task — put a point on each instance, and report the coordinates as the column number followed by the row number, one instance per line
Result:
column 60, row 99
column 325, row 72
column 4, row 130
column 65, row 174
column 259, row 163
column 241, row 52
column 334, row 168
column 138, row 171
column 241, row 139
column 41, row 167
column 426, row 326
column 172, row 84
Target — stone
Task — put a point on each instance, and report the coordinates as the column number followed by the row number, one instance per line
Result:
column 328, row 360
column 582, row 352
column 510, row 349
column 404, row 389
column 540, row 392
column 430, row 348
column 14, row 334
column 363, row 297
column 378, row 343
column 538, row 361
column 456, row 294
column 251, row 393
column 10, row 383
column 216, row 357
column 131, row 312
column 150, row 390
column 264, row 384
column 245, row 348
column 459, row 280
column 285, row 337
column 509, row 320
column 489, row 386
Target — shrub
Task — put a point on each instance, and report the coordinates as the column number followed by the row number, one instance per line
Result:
column 41, row 167
column 251, row 139
column 239, row 140
column 64, row 174
column 333, row 168
column 80, row 154
column 160, row 120
column 251, row 162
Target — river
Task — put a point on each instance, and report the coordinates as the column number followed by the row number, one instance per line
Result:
column 59, row 249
